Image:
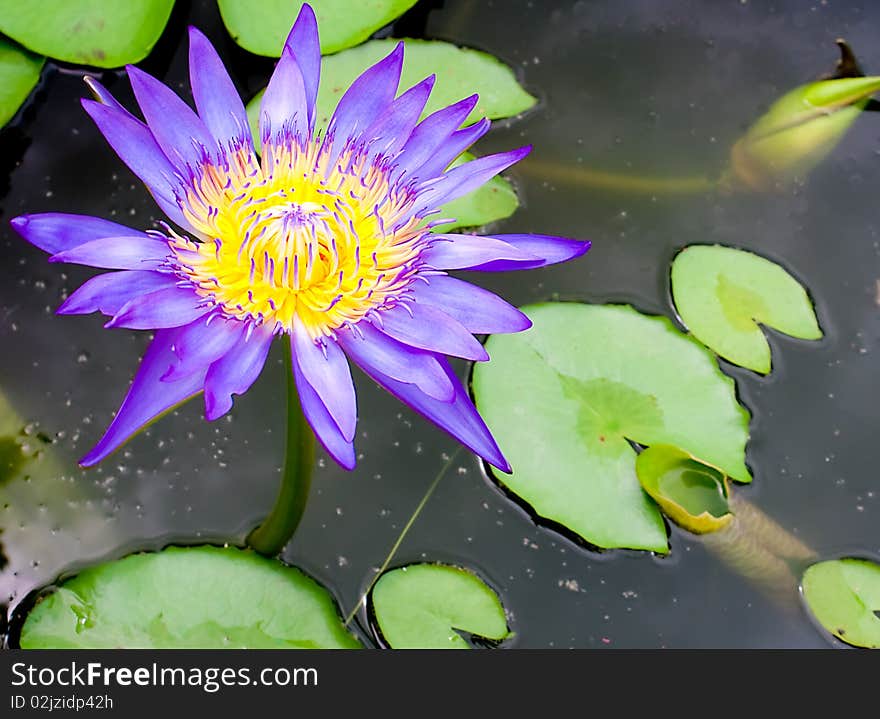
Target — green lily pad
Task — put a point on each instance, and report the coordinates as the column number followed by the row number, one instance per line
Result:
column 19, row 74
column 844, row 596
column 425, row 606
column 194, row 597
column 494, row 201
column 692, row 494
column 565, row 398
column 103, row 33
column 261, row 26
column 721, row 294
column 461, row 72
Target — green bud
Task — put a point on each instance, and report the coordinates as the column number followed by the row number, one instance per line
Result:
column 798, row 131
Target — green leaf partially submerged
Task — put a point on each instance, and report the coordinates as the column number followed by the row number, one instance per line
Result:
column 461, row 72
column 692, row 494
column 721, row 294
column 103, row 33
column 426, row 606
column 261, row 26
column 565, row 398
column 19, row 74
column 195, row 597
column 844, row 596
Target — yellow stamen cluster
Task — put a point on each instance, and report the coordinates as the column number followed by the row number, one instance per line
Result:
column 291, row 236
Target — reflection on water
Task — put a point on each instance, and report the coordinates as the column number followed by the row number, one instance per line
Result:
column 639, row 87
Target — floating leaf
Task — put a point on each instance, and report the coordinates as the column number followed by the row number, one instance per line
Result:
column 692, row 494
column 565, row 398
column 721, row 294
column 425, row 606
column 799, row 131
column 19, row 73
column 103, row 33
column 461, row 72
column 496, row 200
column 195, row 597
column 261, row 26
column 844, row 596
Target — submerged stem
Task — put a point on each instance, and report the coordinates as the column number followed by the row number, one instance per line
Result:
column 416, row 512
column 617, row 182
column 759, row 549
column 296, row 477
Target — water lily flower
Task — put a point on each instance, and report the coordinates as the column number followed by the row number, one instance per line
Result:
column 325, row 238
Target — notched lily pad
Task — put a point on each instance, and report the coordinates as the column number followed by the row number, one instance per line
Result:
column 430, row 606
column 691, row 493
column 194, row 597
column 722, row 294
column 261, row 26
column 590, row 379
column 102, row 33
column 844, row 596
column 19, row 74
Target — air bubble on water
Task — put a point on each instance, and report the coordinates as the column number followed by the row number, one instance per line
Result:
column 572, row 585
column 342, row 561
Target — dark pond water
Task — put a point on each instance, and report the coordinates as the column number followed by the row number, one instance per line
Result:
column 635, row 87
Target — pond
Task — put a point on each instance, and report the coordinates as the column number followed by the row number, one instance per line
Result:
column 631, row 89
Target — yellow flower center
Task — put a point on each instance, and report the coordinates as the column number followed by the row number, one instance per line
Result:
column 290, row 236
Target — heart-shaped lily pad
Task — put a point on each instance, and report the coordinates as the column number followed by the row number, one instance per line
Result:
column 19, row 74
column 428, row 606
column 721, row 294
column 692, row 494
column 261, row 26
column 103, row 33
column 565, row 398
column 194, row 597
column 461, row 72
column 844, row 596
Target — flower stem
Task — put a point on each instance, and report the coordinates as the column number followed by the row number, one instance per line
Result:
column 759, row 549
column 412, row 520
column 617, row 182
column 296, row 478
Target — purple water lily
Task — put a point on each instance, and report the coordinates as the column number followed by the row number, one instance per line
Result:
column 325, row 238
